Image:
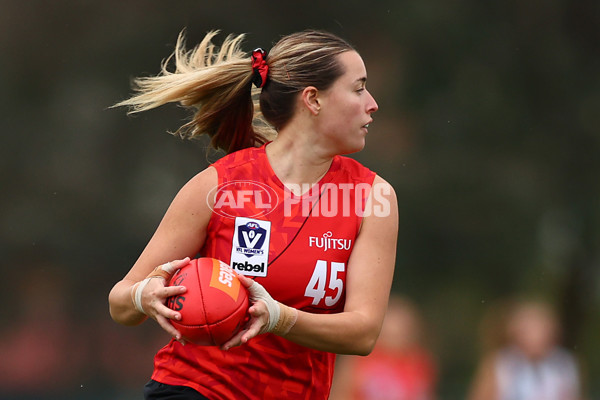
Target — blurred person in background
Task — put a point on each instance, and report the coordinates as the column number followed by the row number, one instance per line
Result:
column 42, row 350
column 400, row 366
column 524, row 360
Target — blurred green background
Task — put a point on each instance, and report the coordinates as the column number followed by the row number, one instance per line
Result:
column 488, row 128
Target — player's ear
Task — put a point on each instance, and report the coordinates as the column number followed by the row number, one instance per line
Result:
column 310, row 99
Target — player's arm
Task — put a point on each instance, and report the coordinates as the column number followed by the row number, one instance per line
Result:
column 368, row 280
column 180, row 234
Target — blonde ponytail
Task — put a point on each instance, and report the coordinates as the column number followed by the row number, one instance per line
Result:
column 216, row 84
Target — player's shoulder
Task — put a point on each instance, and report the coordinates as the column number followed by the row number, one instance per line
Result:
column 354, row 168
column 238, row 158
column 380, row 181
column 200, row 184
column 359, row 172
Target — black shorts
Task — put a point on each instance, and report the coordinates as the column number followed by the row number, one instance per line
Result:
column 159, row 391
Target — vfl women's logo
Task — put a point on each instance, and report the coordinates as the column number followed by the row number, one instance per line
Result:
column 328, row 242
column 251, row 238
column 250, row 246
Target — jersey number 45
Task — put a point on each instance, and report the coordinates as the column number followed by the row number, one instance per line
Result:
column 325, row 276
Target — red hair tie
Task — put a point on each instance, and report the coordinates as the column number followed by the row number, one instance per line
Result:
column 259, row 67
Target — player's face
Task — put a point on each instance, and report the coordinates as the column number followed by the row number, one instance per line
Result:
column 346, row 107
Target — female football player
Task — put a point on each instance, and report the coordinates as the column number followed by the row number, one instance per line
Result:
column 318, row 261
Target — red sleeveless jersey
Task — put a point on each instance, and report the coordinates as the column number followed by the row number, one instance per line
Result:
column 297, row 247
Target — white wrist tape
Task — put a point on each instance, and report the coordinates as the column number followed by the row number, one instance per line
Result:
column 281, row 317
column 258, row 292
column 137, row 295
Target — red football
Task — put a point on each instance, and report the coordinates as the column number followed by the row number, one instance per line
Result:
column 215, row 305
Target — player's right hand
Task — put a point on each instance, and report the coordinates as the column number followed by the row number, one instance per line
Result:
column 152, row 293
